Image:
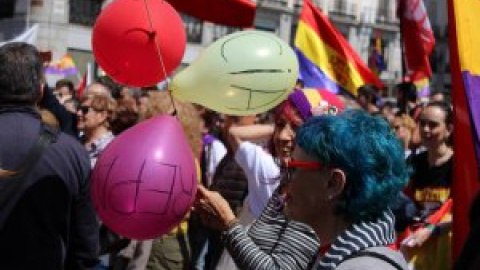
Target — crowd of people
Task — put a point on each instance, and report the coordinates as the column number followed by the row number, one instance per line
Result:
column 322, row 181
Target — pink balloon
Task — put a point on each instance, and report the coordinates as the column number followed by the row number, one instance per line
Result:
column 145, row 181
column 131, row 36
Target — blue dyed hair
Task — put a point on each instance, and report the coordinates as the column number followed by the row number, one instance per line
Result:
column 368, row 152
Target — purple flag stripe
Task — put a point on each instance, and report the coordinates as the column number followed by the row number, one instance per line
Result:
column 57, row 71
column 313, row 76
column 472, row 90
column 424, row 91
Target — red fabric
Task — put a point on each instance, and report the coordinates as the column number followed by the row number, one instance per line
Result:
column 465, row 177
column 436, row 217
column 393, row 247
column 81, row 86
column 237, row 13
column 318, row 22
column 418, row 39
column 323, row 250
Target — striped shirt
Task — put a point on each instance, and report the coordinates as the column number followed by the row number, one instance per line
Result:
column 360, row 236
column 272, row 242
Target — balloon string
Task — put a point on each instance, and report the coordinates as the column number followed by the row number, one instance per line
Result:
column 153, row 34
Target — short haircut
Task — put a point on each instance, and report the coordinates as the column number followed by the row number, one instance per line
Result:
column 370, row 92
column 367, row 151
column 21, row 73
column 409, row 91
column 104, row 103
column 66, row 83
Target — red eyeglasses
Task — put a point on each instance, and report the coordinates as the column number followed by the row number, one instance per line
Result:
column 304, row 164
column 293, row 164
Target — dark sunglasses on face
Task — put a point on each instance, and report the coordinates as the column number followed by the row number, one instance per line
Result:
column 84, row 109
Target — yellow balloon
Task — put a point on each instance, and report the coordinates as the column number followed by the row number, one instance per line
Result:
column 243, row 73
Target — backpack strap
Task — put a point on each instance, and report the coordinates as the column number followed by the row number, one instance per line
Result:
column 365, row 253
column 16, row 178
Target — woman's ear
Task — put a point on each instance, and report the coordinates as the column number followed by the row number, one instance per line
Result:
column 336, row 183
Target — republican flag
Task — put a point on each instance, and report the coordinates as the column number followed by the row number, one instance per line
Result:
column 237, row 13
column 325, row 57
column 375, row 61
column 65, row 66
column 423, row 87
column 418, row 39
column 464, row 42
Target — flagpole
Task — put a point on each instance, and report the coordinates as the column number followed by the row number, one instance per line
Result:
column 402, row 44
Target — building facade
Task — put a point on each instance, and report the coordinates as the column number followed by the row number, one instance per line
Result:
column 440, row 58
column 65, row 26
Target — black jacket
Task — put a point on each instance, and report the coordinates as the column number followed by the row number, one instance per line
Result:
column 50, row 223
column 66, row 119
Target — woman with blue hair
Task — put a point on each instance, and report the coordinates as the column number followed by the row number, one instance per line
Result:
column 345, row 171
column 273, row 241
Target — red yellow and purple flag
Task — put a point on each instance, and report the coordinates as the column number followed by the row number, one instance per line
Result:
column 65, row 66
column 464, row 41
column 375, row 60
column 325, row 57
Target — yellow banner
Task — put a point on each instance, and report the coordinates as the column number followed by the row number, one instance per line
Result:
column 467, row 20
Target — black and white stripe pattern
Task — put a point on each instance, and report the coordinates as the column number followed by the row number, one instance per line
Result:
column 273, row 242
column 360, row 236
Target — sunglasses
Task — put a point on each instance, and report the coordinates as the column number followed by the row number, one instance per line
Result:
column 84, row 109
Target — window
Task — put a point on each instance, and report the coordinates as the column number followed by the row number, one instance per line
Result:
column 382, row 11
column 193, row 28
column 343, row 7
column 84, row 12
column 8, row 8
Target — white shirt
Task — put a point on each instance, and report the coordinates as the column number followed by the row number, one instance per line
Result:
column 215, row 153
column 263, row 175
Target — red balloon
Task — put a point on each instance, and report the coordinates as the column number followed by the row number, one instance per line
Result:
column 131, row 36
